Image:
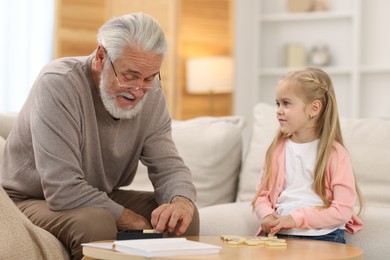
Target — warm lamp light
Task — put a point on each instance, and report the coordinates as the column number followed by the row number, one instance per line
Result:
column 212, row 74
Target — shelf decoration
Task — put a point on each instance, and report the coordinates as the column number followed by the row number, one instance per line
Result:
column 295, row 55
column 319, row 55
column 320, row 5
column 297, row 6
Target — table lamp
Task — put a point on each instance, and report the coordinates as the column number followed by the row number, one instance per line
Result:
column 209, row 75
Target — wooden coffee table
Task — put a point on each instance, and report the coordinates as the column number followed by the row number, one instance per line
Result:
column 296, row 249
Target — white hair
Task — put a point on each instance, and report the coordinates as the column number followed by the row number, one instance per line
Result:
column 135, row 30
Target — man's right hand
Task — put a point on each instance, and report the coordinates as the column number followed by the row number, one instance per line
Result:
column 129, row 220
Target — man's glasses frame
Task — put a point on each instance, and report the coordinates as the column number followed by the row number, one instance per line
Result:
column 132, row 87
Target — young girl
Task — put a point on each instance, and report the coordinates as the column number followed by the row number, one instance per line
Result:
column 307, row 187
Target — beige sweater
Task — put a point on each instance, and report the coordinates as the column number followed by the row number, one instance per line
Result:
column 67, row 149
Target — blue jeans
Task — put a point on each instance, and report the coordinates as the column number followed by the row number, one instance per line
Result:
column 335, row 236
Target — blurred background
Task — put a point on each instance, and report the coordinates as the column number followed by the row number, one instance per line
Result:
column 224, row 55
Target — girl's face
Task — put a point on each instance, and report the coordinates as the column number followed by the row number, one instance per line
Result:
column 293, row 114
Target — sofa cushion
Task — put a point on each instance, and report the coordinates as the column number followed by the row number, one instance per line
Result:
column 372, row 238
column 367, row 141
column 6, row 122
column 2, row 143
column 234, row 218
column 263, row 131
column 212, row 148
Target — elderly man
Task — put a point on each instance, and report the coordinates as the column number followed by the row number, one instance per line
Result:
column 79, row 136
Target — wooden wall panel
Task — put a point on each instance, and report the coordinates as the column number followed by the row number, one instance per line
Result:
column 77, row 22
column 192, row 27
column 205, row 30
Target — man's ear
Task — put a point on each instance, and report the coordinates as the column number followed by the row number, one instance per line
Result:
column 100, row 55
column 316, row 107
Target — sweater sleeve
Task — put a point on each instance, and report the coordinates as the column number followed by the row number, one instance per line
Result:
column 266, row 202
column 263, row 205
column 340, row 191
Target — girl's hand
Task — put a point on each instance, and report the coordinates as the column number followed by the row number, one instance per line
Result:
column 267, row 221
column 280, row 223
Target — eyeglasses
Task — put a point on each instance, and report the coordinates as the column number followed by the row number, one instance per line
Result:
column 129, row 82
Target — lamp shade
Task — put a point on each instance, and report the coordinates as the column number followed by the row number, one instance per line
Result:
column 212, row 74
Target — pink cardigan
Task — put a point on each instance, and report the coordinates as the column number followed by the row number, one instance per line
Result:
column 340, row 191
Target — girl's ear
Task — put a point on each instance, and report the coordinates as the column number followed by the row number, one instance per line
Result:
column 316, row 107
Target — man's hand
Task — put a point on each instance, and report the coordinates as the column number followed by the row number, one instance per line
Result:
column 129, row 220
column 175, row 216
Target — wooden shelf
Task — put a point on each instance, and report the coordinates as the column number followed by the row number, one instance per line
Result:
column 367, row 69
column 334, row 70
column 308, row 16
column 338, row 29
column 354, row 33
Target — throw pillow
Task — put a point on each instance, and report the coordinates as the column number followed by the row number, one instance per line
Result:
column 21, row 239
column 212, row 148
column 367, row 141
column 264, row 128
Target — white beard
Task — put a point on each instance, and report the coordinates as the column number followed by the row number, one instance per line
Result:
column 109, row 101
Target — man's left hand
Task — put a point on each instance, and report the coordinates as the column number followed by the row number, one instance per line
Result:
column 175, row 216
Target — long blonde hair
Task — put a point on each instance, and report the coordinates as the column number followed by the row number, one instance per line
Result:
column 313, row 84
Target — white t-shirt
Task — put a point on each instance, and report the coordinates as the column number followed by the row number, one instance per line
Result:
column 298, row 187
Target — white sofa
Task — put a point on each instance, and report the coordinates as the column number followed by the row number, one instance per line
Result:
column 225, row 177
